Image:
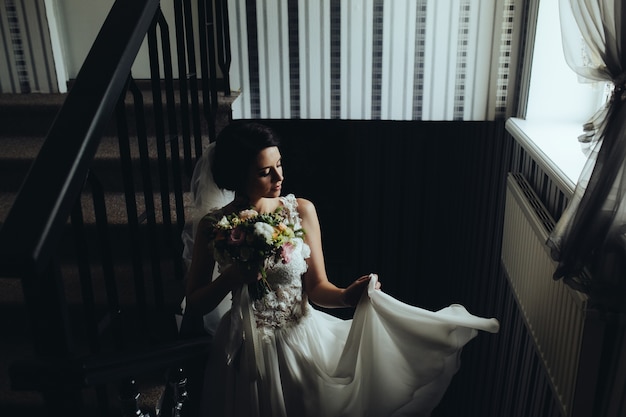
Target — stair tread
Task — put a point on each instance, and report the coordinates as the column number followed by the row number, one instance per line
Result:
column 24, row 122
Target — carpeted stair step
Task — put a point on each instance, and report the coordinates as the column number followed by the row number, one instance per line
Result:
column 24, row 123
column 32, row 114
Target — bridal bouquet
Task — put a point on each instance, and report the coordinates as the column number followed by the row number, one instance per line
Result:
column 255, row 241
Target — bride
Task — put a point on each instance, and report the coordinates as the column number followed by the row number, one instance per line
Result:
column 274, row 354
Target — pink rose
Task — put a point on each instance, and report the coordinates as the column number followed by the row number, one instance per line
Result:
column 286, row 252
column 237, row 236
column 248, row 214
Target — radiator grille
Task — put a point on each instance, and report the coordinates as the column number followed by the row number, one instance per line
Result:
column 553, row 312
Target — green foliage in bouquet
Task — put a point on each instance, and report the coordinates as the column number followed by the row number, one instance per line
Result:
column 254, row 241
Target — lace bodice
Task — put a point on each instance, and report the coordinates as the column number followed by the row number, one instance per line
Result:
column 286, row 304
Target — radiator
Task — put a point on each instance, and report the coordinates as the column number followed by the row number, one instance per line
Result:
column 553, row 312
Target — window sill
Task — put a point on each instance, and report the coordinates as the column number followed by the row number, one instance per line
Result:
column 554, row 146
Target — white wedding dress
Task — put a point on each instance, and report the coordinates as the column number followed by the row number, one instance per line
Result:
column 279, row 356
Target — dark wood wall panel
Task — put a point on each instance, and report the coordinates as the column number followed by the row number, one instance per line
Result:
column 415, row 202
column 421, row 204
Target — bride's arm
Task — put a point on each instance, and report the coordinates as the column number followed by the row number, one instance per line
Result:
column 202, row 294
column 316, row 284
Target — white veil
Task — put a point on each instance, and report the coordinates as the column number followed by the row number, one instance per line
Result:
column 207, row 196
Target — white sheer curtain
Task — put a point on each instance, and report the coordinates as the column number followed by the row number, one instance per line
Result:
column 589, row 234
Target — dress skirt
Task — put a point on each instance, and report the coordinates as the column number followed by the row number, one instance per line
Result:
column 390, row 359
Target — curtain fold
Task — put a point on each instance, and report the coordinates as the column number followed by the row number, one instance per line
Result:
column 589, row 235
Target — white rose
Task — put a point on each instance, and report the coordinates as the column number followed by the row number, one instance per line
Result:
column 223, row 222
column 265, row 231
column 248, row 214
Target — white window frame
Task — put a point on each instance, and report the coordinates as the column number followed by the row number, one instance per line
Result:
column 557, row 104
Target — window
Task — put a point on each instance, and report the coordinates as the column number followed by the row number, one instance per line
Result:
column 558, row 104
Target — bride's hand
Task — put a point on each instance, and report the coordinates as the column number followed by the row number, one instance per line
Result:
column 352, row 293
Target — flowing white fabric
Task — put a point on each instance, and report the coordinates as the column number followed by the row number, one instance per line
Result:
column 206, row 195
column 288, row 359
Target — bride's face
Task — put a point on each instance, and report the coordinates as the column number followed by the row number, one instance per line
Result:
column 266, row 175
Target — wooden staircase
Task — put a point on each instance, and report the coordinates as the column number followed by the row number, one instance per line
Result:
column 24, row 122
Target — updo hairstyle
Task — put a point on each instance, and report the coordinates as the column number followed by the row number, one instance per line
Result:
column 236, row 148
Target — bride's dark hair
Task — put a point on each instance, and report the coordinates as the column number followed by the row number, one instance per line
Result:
column 237, row 146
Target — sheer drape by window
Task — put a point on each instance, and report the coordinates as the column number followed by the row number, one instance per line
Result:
column 590, row 233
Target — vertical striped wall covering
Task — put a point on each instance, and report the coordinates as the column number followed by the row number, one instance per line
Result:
column 502, row 375
column 394, row 201
column 505, row 50
column 26, row 61
column 373, row 59
column 427, row 216
column 553, row 198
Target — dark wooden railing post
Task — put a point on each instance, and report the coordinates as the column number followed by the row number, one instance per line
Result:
column 111, row 346
column 223, row 42
column 129, row 399
column 206, row 29
column 52, row 340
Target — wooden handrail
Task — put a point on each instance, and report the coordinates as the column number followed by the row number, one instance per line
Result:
column 33, row 226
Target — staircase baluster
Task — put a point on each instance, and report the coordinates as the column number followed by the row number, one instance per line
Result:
column 164, row 186
column 148, row 190
column 188, row 85
column 193, row 79
column 87, row 293
column 183, row 88
column 180, row 394
column 135, row 242
column 84, row 273
column 223, row 42
column 207, row 63
column 108, row 336
column 129, row 399
column 174, row 149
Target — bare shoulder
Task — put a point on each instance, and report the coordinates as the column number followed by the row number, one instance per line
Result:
column 308, row 218
column 307, row 212
column 306, row 208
